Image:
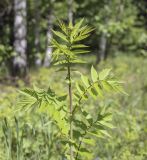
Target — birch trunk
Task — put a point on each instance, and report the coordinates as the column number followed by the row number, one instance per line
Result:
column 48, row 54
column 70, row 10
column 38, row 59
column 103, row 46
column 20, row 42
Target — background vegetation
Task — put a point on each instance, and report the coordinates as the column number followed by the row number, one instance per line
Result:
column 119, row 41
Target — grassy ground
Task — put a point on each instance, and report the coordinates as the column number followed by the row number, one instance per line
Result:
column 128, row 140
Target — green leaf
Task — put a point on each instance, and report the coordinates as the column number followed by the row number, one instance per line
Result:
column 81, row 122
column 62, row 26
column 85, row 80
column 95, row 134
column 89, row 141
column 107, row 86
column 99, row 91
column 94, row 93
column 79, row 38
column 86, row 30
column 60, row 35
column 104, row 73
column 90, row 91
column 62, row 48
column 77, row 134
column 77, row 96
column 104, row 132
column 80, row 51
column 28, row 92
column 107, row 116
column 76, row 28
column 79, row 46
column 28, row 102
column 85, row 153
column 80, row 88
column 70, row 25
column 94, row 74
column 120, row 89
column 106, row 124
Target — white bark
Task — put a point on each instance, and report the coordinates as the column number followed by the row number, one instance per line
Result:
column 70, row 10
column 20, row 31
column 48, row 54
column 38, row 59
column 103, row 46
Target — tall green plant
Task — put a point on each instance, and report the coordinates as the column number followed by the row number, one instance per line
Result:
column 75, row 123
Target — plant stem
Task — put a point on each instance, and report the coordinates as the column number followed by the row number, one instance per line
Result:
column 70, row 109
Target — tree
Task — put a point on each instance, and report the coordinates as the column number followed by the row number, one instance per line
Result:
column 38, row 59
column 50, row 17
column 113, row 22
column 20, row 41
column 76, row 126
column 142, row 11
column 70, row 10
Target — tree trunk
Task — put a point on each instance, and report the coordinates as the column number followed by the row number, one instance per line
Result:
column 48, row 54
column 38, row 59
column 20, row 42
column 70, row 10
column 102, row 48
